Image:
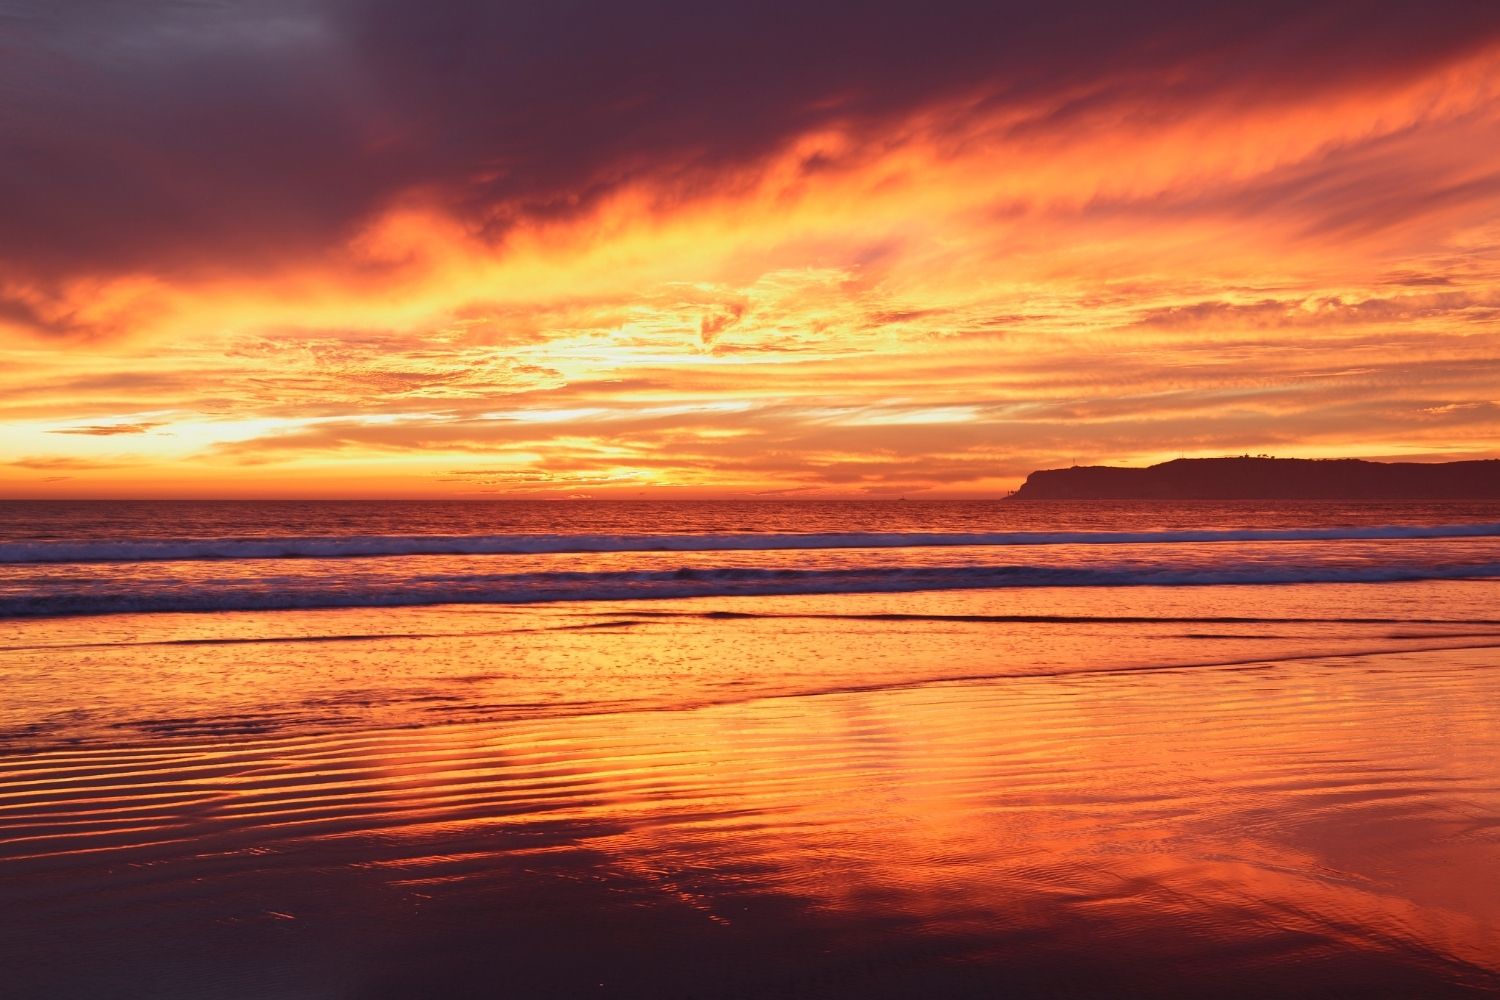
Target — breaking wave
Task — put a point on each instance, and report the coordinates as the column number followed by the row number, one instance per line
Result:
column 116, row 597
column 357, row 546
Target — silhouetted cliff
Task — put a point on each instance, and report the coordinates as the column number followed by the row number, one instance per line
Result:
column 1269, row 479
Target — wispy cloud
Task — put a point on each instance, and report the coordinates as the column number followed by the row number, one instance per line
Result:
column 109, row 430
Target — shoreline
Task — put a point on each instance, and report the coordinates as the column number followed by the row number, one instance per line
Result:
column 186, row 676
column 165, row 741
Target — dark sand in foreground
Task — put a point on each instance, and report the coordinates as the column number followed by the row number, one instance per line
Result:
column 1325, row 826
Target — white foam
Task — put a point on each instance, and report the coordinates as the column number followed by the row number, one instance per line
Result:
column 309, row 547
column 524, row 588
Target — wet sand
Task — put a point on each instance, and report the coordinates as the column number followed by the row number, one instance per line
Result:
column 1323, row 820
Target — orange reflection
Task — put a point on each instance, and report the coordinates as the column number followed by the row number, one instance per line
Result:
column 1314, row 816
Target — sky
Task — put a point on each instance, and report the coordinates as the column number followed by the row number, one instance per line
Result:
column 328, row 248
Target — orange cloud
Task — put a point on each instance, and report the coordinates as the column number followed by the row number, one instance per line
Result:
column 1275, row 236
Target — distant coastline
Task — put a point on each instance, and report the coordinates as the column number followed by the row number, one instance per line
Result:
column 1247, row 478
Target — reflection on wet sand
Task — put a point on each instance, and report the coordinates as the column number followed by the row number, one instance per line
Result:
column 1297, row 828
column 149, row 678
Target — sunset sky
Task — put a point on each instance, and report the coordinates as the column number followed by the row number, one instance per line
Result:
column 475, row 249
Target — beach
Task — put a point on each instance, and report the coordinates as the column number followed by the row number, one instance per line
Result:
column 798, row 796
column 848, row 501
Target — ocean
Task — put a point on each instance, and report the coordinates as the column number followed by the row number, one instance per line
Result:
column 749, row 748
column 93, row 558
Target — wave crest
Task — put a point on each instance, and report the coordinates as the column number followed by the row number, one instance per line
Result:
column 530, row 588
column 366, row 546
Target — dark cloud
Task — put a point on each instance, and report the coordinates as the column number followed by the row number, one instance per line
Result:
column 230, row 137
column 50, row 463
column 1320, row 311
column 108, row 430
column 716, row 321
column 24, row 314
